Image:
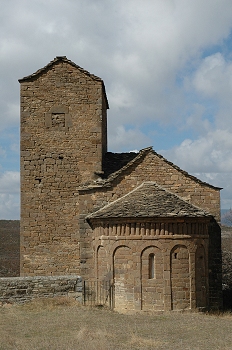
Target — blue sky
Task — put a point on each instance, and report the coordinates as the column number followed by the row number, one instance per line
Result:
column 166, row 64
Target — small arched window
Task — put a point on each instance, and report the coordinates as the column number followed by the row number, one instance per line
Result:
column 151, row 266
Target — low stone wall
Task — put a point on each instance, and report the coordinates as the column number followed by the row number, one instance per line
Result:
column 22, row 289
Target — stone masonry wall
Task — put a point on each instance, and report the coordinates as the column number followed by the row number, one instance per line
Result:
column 22, row 289
column 151, row 168
column 63, row 140
column 61, row 146
column 155, row 168
column 170, row 281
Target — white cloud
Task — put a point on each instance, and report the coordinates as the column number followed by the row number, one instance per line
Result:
column 120, row 97
column 125, row 140
column 10, row 116
column 9, row 206
column 211, row 153
column 213, row 82
column 209, row 158
column 9, row 195
column 9, row 182
column 14, row 147
column 213, row 77
column 196, row 120
column 144, row 51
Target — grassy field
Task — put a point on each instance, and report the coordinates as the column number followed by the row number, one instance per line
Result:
column 61, row 324
column 57, row 324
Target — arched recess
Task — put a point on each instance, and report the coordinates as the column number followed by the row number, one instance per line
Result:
column 180, row 278
column 104, row 270
column 123, row 278
column 152, row 280
column 201, row 281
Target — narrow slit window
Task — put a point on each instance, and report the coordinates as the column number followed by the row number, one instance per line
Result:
column 151, row 266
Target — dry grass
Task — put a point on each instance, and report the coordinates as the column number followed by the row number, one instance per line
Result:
column 60, row 323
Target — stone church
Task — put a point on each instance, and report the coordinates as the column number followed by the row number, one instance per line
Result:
column 134, row 219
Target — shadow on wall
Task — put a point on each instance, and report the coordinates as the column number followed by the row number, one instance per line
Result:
column 227, row 267
column 227, row 298
column 9, row 248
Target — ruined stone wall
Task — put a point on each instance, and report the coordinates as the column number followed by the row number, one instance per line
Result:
column 61, row 146
column 23, row 289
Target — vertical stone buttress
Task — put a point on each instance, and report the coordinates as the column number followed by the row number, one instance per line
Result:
column 63, row 139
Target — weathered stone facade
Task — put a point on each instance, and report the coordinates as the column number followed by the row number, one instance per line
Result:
column 134, row 219
column 24, row 289
column 63, row 139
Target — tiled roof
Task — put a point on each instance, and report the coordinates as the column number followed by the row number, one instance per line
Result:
column 63, row 59
column 116, row 164
column 149, row 200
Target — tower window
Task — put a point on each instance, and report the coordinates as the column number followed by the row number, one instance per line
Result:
column 151, row 266
column 58, row 120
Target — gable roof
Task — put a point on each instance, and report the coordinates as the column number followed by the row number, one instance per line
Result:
column 115, row 164
column 63, row 59
column 149, row 200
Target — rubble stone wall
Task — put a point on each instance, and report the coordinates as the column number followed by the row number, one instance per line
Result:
column 22, row 289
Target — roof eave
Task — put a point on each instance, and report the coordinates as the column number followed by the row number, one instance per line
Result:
column 92, row 219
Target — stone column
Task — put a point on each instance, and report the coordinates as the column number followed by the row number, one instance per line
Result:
column 167, row 281
column 192, row 268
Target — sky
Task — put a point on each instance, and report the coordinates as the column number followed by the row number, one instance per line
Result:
column 166, row 65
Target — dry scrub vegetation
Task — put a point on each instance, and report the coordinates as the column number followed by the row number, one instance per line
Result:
column 62, row 324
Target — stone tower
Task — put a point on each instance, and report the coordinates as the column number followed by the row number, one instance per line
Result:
column 134, row 221
column 63, row 141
